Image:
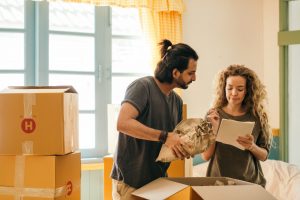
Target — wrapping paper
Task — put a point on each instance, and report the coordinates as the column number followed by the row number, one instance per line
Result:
column 197, row 134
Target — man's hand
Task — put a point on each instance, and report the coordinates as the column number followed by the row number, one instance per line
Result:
column 175, row 143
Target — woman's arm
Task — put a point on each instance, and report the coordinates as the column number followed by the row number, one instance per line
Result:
column 259, row 152
column 248, row 142
column 206, row 155
column 214, row 118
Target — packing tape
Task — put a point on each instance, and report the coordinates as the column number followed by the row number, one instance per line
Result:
column 72, row 118
column 28, row 101
column 18, row 191
column 19, row 175
column 27, row 147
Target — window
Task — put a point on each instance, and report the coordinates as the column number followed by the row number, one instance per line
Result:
column 12, row 34
column 130, row 58
column 98, row 50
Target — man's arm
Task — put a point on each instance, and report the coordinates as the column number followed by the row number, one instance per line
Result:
column 128, row 125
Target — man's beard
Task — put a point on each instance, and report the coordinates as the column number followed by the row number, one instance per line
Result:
column 181, row 84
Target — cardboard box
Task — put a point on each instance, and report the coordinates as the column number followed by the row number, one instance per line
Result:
column 177, row 169
column 195, row 188
column 40, row 177
column 38, row 120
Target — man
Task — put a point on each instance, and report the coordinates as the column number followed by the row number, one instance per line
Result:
column 149, row 113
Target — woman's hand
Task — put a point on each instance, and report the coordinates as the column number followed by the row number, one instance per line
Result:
column 246, row 141
column 214, row 118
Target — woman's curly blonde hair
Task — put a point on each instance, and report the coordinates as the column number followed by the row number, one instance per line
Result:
column 255, row 97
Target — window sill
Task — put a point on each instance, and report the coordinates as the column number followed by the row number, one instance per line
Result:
column 92, row 164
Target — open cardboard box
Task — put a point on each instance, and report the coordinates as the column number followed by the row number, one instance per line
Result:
column 194, row 188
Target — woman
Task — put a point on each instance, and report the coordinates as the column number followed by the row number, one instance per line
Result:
column 240, row 96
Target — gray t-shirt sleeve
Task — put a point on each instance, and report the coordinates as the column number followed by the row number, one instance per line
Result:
column 262, row 142
column 137, row 95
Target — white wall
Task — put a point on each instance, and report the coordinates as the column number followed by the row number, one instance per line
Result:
column 225, row 32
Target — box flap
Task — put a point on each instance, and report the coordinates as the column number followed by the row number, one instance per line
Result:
column 39, row 89
column 159, row 189
column 234, row 192
column 208, row 181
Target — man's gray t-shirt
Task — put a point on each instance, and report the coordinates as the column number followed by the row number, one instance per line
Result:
column 240, row 164
column 134, row 160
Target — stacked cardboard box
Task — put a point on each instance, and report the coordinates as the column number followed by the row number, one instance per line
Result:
column 38, row 143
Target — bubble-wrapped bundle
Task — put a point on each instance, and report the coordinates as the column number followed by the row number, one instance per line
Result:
column 197, row 134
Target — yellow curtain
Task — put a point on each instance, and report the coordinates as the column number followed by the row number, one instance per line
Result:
column 162, row 19
column 158, row 26
column 121, row 3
